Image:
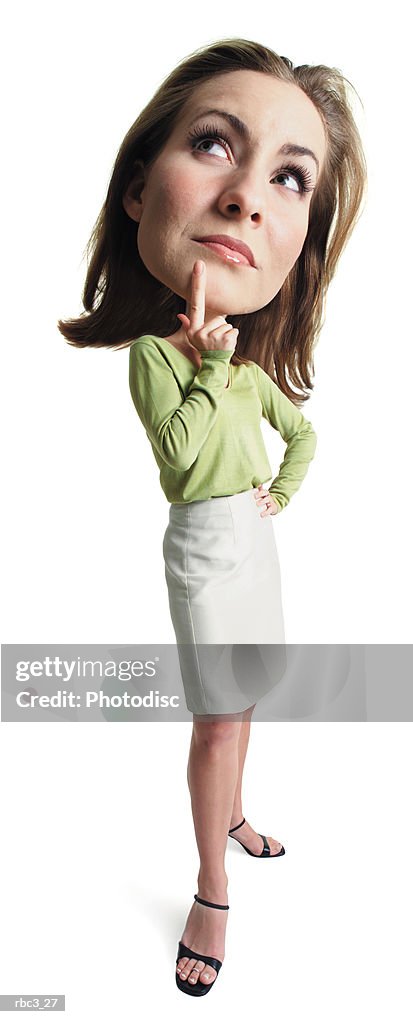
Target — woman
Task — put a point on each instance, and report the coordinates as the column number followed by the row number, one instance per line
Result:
column 282, row 180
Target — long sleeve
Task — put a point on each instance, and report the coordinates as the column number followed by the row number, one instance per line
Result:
column 177, row 428
column 298, row 432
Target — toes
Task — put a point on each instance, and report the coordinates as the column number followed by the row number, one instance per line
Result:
column 185, row 969
column 208, row 975
column 204, row 973
column 188, row 968
column 195, row 974
column 181, row 965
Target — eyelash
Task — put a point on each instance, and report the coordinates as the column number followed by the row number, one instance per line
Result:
column 211, row 132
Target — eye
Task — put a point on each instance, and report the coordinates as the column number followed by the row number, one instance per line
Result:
column 299, row 174
column 200, row 135
column 211, row 133
column 285, row 174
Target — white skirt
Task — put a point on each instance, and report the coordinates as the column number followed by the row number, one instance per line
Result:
column 223, row 577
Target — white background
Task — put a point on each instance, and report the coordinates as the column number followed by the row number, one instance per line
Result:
column 99, row 860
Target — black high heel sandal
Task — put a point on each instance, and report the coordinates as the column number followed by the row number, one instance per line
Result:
column 266, row 849
column 198, row 988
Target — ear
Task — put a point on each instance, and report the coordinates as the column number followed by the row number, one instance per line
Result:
column 132, row 199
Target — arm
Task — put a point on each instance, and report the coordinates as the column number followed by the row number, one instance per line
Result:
column 176, row 428
column 298, row 432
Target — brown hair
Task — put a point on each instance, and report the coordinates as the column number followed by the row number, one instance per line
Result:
column 282, row 335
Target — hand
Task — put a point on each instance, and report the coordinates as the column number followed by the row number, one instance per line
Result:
column 263, row 497
column 216, row 333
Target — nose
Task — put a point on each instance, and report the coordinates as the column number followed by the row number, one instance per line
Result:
column 242, row 195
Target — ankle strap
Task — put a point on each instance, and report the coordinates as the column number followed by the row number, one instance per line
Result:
column 236, row 826
column 218, row 906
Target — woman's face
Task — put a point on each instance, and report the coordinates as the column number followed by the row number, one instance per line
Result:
column 243, row 187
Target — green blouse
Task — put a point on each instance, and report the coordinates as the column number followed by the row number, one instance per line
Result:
column 206, row 437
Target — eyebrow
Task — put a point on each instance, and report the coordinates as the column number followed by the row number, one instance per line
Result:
column 288, row 149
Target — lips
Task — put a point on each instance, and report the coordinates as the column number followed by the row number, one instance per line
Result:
column 230, row 243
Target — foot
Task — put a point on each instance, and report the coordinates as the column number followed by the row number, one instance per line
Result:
column 248, row 837
column 205, row 933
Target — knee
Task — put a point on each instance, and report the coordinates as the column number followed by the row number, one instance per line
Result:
column 214, row 735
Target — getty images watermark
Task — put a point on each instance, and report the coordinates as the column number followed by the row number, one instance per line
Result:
column 43, row 682
column 292, row 682
column 82, row 669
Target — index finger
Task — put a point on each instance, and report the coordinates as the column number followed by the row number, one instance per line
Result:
column 197, row 307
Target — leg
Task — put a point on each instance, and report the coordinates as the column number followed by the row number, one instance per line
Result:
column 244, row 735
column 246, row 834
column 212, row 778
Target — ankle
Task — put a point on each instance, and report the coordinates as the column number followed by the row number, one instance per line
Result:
column 236, row 817
column 214, row 889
